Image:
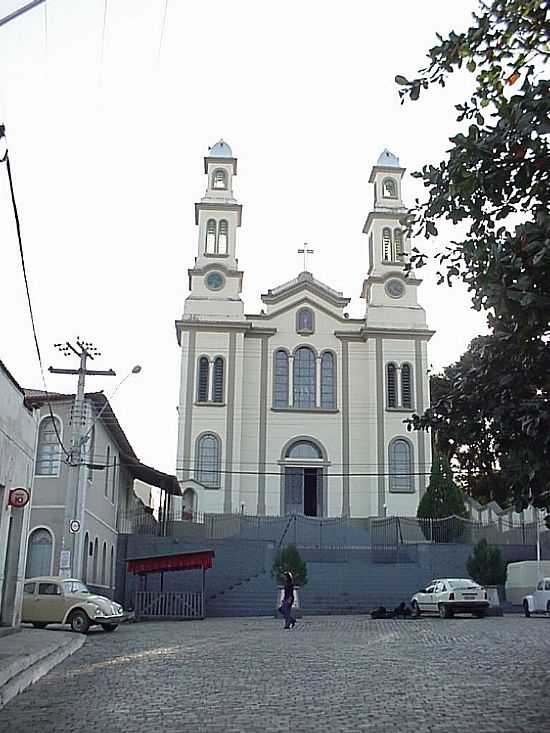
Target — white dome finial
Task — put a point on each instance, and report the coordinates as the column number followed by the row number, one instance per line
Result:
column 388, row 159
column 220, row 150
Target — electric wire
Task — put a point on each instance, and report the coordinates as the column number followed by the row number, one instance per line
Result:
column 162, row 29
column 6, row 159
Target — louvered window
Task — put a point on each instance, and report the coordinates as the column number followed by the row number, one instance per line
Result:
column 398, row 241
column 217, row 386
column 401, row 467
column 222, row 237
column 48, row 459
column 202, row 389
column 280, row 379
column 389, row 188
column 304, row 378
column 208, row 460
column 406, row 386
column 211, row 236
column 391, row 385
column 328, row 381
column 386, row 244
column 219, row 179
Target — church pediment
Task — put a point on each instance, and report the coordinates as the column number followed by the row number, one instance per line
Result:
column 305, row 282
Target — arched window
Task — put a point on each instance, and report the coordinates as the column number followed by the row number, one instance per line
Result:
column 189, row 503
column 406, row 386
column 328, row 381
column 39, row 557
column 222, row 237
column 85, row 551
column 203, row 379
column 208, row 460
column 94, row 561
column 112, row 568
column 387, row 252
column 114, row 480
column 391, row 385
column 107, row 462
column 219, row 179
column 398, row 244
column 48, row 456
column 217, row 380
column 304, row 320
column 401, row 466
column 304, row 377
column 304, row 449
column 104, row 564
column 211, row 236
column 389, row 188
column 280, row 379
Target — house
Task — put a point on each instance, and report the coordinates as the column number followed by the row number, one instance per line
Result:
column 80, row 510
column 18, row 425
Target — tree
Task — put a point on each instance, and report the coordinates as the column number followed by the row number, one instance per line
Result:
column 289, row 560
column 442, row 499
column 486, row 565
column 495, row 181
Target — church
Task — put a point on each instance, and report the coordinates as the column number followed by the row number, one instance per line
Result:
column 300, row 408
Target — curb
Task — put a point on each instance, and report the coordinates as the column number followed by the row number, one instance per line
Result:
column 27, row 669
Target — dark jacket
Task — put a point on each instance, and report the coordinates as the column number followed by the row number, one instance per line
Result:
column 289, row 592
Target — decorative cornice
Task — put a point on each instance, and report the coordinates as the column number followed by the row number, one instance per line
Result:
column 305, row 281
column 397, row 213
column 206, row 206
column 385, row 169
column 195, row 324
column 220, row 161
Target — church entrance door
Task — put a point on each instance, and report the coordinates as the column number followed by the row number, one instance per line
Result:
column 303, row 491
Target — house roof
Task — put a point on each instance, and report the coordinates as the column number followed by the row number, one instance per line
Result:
column 128, row 457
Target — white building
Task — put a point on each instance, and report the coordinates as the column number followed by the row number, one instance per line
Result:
column 17, row 441
column 300, row 408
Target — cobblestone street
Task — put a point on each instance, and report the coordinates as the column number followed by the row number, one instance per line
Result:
column 341, row 673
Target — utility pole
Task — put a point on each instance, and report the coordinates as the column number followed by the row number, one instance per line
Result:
column 70, row 559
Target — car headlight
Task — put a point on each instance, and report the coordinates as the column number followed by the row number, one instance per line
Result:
column 97, row 612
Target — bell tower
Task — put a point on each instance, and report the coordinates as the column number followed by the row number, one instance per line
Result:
column 215, row 281
column 390, row 293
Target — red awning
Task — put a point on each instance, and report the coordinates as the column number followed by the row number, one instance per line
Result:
column 201, row 560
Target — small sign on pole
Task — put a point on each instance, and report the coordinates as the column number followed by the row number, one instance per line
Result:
column 74, row 526
column 64, row 560
column 18, row 498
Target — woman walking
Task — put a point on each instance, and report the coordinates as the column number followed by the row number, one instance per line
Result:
column 288, row 601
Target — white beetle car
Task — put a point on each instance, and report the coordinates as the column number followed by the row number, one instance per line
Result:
column 447, row 596
column 539, row 600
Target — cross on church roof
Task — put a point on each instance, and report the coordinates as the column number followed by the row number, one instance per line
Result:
column 305, row 251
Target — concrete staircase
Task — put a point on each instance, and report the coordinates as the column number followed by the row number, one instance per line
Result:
column 255, row 596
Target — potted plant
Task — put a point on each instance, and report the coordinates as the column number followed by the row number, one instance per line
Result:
column 288, row 559
column 486, row 566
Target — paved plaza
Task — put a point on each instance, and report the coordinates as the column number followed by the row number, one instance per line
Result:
column 338, row 673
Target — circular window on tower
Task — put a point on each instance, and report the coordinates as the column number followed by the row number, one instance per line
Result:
column 214, row 281
column 394, row 288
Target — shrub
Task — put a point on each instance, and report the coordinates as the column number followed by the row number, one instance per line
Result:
column 486, row 566
column 288, row 560
column 443, row 499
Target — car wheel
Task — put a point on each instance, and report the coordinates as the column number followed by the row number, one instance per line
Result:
column 79, row 622
column 415, row 610
column 548, row 608
column 526, row 610
column 40, row 625
column 445, row 611
column 109, row 627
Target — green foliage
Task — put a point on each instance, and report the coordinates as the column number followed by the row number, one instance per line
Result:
column 443, row 498
column 495, row 180
column 289, row 560
column 486, row 565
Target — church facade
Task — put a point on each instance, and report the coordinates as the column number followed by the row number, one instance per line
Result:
column 300, row 409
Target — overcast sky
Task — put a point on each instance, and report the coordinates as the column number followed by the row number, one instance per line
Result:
column 107, row 139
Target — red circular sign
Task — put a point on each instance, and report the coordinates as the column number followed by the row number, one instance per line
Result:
column 19, row 498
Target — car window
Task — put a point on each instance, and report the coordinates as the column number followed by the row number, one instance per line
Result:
column 74, row 586
column 547, row 585
column 463, row 584
column 539, row 585
column 49, row 589
column 29, row 588
column 429, row 589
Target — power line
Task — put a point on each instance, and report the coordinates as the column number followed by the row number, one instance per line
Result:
column 163, row 26
column 6, row 159
column 20, row 11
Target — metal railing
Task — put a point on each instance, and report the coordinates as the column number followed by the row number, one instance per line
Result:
column 157, row 605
